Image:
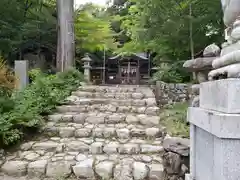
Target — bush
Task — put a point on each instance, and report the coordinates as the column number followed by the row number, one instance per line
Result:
column 7, row 85
column 174, row 118
column 37, row 100
column 172, row 73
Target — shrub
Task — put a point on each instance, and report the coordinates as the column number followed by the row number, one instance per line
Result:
column 7, row 85
column 37, row 100
column 174, row 118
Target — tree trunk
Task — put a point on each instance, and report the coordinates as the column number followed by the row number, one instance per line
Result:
column 66, row 43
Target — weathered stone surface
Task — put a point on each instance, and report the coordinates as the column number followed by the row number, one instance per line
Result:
column 66, row 132
column 67, row 118
column 77, row 146
column 131, row 119
column 230, row 71
column 105, row 169
column 195, row 89
column 37, row 168
column 98, row 132
column 151, row 102
column 111, row 148
column 178, row 145
column 79, row 118
column 47, row 146
column 109, row 132
column 15, row 168
column 152, row 111
column 31, row 156
column 156, row 172
column 58, row 169
column 84, row 169
column 135, row 132
column 129, row 149
column 85, row 132
column 220, row 95
column 98, row 119
column 148, row 120
column 97, row 148
column 115, row 118
column 140, row 171
column 211, row 50
column 27, row 146
column 199, row 64
column 123, row 133
column 172, row 163
column 152, row 132
column 55, row 117
column 81, row 157
column 145, row 148
column 137, row 95
column 123, row 171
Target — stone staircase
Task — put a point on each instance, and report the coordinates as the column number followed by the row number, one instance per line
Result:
column 100, row 132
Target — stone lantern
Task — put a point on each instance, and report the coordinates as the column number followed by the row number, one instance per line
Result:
column 201, row 66
column 87, row 67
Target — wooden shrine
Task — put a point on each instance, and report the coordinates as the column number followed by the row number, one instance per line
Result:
column 134, row 69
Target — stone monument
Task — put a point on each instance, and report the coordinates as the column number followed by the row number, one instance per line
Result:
column 215, row 125
column 21, row 73
column 228, row 64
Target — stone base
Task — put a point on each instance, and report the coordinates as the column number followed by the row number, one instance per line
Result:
column 221, row 95
column 219, row 124
column 215, row 151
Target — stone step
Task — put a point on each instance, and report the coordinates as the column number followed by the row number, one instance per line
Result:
column 93, row 146
column 75, row 100
column 117, row 167
column 120, row 131
column 109, row 108
column 113, row 95
column 117, row 89
column 105, row 118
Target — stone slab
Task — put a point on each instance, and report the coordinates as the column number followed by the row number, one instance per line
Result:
column 216, row 158
column 21, row 73
column 219, row 124
column 221, row 95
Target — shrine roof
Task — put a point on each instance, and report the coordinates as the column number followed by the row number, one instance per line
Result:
column 141, row 56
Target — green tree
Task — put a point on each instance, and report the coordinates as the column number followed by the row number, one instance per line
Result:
column 163, row 28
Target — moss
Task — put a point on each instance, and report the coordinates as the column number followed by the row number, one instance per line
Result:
column 174, row 118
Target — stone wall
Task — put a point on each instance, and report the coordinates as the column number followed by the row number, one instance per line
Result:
column 175, row 158
column 170, row 93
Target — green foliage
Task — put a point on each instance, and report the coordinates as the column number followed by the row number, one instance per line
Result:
column 31, row 104
column 171, row 73
column 26, row 25
column 163, row 28
column 167, row 75
column 93, row 29
column 174, row 118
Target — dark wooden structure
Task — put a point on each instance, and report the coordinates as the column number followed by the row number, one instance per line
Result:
column 133, row 69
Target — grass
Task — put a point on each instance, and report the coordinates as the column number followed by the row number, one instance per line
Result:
column 174, row 118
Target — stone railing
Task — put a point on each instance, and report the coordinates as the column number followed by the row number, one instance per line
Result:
column 170, row 93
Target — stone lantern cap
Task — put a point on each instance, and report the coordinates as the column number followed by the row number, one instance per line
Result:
column 199, row 64
column 86, row 58
column 211, row 51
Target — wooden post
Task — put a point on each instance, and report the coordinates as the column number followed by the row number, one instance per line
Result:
column 21, row 73
column 66, row 42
